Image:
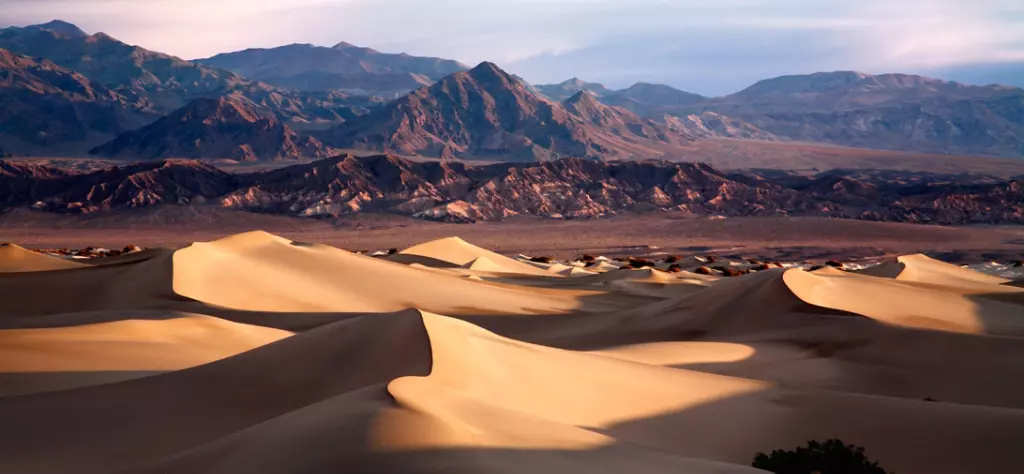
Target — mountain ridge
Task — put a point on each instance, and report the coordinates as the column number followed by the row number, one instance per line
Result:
column 559, row 189
column 214, row 128
column 487, row 112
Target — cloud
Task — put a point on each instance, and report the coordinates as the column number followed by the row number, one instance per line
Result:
column 710, row 47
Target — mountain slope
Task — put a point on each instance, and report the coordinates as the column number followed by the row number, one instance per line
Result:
column 48, row 108
column 214, row 128
column 365, row 84
column 849, row 90
column 651, row 100
column 889, row 111
column 486, row 113
column 159, row 81
column 343, row 58
column 344, row 67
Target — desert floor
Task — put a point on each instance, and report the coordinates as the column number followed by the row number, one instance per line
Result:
column 768, row 238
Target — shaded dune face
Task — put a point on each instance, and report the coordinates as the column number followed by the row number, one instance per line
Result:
column 254, row 353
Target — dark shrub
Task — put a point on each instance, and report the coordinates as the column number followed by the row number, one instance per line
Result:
column 640, row 263
column 816, row 267
column 392, row 251
column 834, row 263
column 674, row 268
column 1018, row 264
column 711, row 259
column 703, row 271
column 672, row 259
column 762, row 267
column 588, row 258
column 830, row 457
column 541, row 259
column 729, row 272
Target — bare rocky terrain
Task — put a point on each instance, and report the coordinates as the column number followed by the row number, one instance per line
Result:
column 562, row 189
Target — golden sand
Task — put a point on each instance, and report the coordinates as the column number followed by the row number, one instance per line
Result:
column 257, row 354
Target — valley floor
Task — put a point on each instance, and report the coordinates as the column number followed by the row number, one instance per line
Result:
column 774, row 238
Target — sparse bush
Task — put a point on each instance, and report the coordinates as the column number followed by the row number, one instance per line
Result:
column 711, row 259
column 392, row 251
column 588, row 258
column 640, row 263
column 830, row 457
column 703, row 271
column 1018, row 264
column 816, row 267
column 834, row 263
column 674, row 268
column 672, row 259
column 541, row 259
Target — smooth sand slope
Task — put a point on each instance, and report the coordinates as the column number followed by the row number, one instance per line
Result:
column 15, row 259
column 257, row 354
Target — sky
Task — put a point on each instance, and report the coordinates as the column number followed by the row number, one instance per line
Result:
column 711, row 47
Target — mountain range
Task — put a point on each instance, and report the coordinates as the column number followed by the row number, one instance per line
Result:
column 560, row 189
column 485, row 113
column 887, row 111
column 343, row 67
column 214, row 128
column 66, row 92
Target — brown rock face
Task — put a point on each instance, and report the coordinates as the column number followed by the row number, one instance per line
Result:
column 485, row 112
column 214, row 128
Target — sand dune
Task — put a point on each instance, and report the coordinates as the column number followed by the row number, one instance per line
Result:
column 458, row 252
column 919, row 268
column 258, row 354
column 15, row 259
column 34, row 360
